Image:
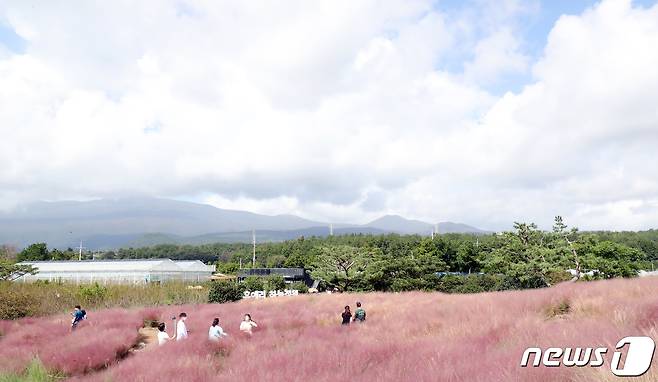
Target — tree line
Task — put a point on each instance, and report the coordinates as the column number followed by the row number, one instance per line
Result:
column 525, row 257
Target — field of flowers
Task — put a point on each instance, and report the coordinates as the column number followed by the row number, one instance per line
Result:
column 407, row 337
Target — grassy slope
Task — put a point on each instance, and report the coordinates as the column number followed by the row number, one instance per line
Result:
column 408, row 336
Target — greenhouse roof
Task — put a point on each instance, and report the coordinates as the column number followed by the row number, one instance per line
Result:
column 194, row 266
column 140, row 265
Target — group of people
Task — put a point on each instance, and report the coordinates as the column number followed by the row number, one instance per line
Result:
column 359, row 314
column 215, row 332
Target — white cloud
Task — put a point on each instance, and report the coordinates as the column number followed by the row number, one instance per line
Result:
column 496, row 55
column 337, row 111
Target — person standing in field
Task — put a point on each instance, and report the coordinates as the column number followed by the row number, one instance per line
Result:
column 347, row 315
column 247, row 324
column 359, row 313
column 181, row 328
column 163, row 337
column 216, row 332
column 78, row 315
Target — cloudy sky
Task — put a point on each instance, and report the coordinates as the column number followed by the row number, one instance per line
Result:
column 483, row 112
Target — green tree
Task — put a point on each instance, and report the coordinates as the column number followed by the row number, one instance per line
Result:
column 522, row 257
column 302, row 256
column 615, row 260
column 35, row 252
column 275, row 282
column 10, row 271
column 569, row 238
column 467, row 258
column 221, row 292
column 430, row 255
column 56, row 254
column 340, row 266
column 229, row 268
column 253, row 283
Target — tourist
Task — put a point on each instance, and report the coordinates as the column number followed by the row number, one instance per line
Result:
column 347, row 315
column 359, row 313
column 216, row 332
column 247, row 324
column 78, row 315
column 181, row 328
column 163, row 337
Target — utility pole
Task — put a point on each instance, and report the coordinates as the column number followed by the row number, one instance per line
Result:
column 80, row 248
column 435, row 230
column 253, row 241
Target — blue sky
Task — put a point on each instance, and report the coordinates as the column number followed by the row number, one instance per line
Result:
column 10, row 40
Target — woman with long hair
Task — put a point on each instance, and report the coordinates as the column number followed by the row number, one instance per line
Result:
column 215, row 333
column 247, row 324
column 163, row 337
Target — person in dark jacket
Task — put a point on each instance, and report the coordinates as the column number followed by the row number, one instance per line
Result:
column 347, row 315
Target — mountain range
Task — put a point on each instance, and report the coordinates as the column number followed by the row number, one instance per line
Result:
column 136, row 222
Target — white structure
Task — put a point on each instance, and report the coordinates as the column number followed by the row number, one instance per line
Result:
column 195, row 270
column 591, row 273
column 120, row 271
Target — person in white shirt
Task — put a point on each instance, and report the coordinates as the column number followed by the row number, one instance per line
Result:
column 247, row 324
column 181, row 328
column 216, row 332
column 163, row 337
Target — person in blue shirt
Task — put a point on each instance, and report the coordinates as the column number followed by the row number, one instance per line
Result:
column 359, row 313
column 78, row 315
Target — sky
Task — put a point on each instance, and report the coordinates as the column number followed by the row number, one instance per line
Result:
column 481, row 112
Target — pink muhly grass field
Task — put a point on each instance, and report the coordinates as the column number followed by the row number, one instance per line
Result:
column 96, row 343
column 408, row 337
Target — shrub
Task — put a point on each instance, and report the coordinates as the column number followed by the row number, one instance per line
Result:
column 93, row 294
column 473, row 284
column 275, row 282
column 301, row 287
column 14, row 304
column 221, row 292
column 450, row 284
column 253, row 283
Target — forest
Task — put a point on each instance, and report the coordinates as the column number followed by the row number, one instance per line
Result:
column 525, row 257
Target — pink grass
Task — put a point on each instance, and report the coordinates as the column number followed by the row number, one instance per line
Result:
column 95, row 344
column 408, row 337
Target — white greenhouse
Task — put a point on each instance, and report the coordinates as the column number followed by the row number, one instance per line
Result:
column 119, row 271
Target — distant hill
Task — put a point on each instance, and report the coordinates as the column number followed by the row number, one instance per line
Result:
column 245, row 236
column 395, row 223
column 137, row 222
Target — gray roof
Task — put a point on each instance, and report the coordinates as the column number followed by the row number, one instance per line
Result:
column 143, row 265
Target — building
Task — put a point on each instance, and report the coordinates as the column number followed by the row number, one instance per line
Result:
column 140, row 271
column 290, row 275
